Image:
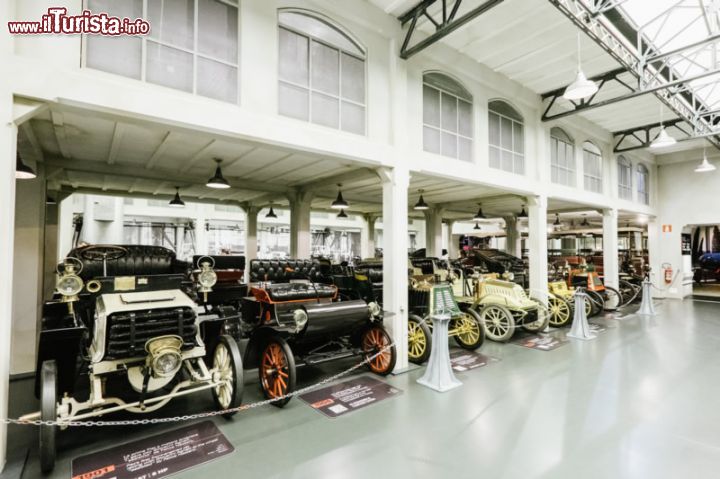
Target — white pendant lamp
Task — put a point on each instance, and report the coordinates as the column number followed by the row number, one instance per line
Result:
column 705, row 166
column 663, row 139
column 581, row 88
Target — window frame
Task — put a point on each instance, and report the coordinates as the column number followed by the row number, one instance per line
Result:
column 514, row 122
column 340, row 99
column 625, row 191
column 644, row 194
column 144, row 39
column 570, row 171
column 442, row 91
column 590, row 179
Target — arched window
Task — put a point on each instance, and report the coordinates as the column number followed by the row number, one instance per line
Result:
column 322, row 73
column 624, row 178
column 592, row 167
column 192, row 45
column 447, row 117
column 562, row 157
column 507, row 138
column 643, row 184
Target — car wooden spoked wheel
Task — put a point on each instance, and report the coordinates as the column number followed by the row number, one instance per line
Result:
column 613, row 299
column 560, row 312
column 48, row 412
column 498, row 322
column 467, row 330
column 629, row 292
column 419, row 340
column 378, row 350
column 228, row 370
column 277, row 371
column 542, row 319
column 596, row 301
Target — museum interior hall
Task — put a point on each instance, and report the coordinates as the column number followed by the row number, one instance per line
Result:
column 367, row 238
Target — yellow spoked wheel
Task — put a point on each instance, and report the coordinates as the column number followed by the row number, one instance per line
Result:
column 419, row 340
column 560, row 312
column 467, row 330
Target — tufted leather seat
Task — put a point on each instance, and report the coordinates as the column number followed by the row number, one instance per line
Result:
column 281, row 292
column 426, row 265
column 140, row 261
column 282, row 271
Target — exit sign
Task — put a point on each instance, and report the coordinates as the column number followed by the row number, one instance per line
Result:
column 667, row 228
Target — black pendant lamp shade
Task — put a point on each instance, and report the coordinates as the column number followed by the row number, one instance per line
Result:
column 477, row 226
column 23, row 171
column 49, row 200
column 271, row 213
column 339, row 203
column 218, row 181
column 584, row 221
column 522, row 213
column 421, row 205
column 342, row 214
column 479, row 215
column 177, row 202
column 557, row 220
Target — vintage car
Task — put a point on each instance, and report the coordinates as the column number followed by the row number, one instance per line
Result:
column 606, row 298
column 490, row 260
column 123, row 319
column 561, row 304
column 503, row 306
column 292, row 319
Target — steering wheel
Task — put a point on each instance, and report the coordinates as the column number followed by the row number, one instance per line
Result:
column 103, row 252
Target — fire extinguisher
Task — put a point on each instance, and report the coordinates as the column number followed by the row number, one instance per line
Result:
column 667, row 272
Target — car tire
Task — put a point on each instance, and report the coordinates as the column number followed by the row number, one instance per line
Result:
column 276, row 368
column 227, row 361
column 561, row 313
column 48, row 412
column 419, row 339
column 613, row 300
column 498, row 322
column 377, row 344
column 476, row 336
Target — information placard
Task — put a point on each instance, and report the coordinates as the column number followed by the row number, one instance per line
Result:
column 350, row 395
column 462, row 360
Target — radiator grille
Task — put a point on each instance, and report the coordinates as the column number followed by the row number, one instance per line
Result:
column 127, row 333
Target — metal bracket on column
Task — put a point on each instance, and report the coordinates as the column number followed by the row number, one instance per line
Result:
column 444, row 19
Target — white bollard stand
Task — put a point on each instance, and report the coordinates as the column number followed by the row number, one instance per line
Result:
column 439, row 374
column 580, row 327
column 647, row 308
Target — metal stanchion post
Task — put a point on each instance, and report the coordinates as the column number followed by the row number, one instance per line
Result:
column 580, row 327
column 439, row 374
column 647, row 307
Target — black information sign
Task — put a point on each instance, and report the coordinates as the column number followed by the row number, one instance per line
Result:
column 157, row 456
column 541, row 341
column 350, row 395
column 463, row 360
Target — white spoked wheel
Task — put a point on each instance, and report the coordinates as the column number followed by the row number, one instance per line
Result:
column 498, row 322
column 228, row 371
column 542, row 318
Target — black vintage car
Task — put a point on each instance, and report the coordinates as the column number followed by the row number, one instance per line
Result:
column 123, row 332
column 293, row 318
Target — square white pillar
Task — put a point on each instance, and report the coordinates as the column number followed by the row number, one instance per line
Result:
column 452, row 242
column 433, row 232
column 395, row 258
column 611, row 268
column 537, row 241
column 251, row 241
column 367, row 237
column 300, row 235
column 512, row 236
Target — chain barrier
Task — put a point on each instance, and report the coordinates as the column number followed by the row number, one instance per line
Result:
column 190, row 417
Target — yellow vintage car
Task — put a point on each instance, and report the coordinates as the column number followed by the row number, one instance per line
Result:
column 561, row 304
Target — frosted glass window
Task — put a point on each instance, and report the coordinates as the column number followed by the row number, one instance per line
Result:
column 447, row 112
column 321, row 65
column 592, row 168
column 218, row 30
column 562, row 158
column 624, row 178
column 172, row 21
column 169, row 67
column 216, row 80
column 643, row 184
column 192, row 45
column 506, row 137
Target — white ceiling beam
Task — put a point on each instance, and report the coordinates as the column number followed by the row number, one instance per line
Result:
column 197, row 157
column 58, row 122
column 159, row 151
column 118, row 133
column 29, row 133
column 346, row 177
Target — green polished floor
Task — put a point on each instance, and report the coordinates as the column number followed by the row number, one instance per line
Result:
column 638, row 402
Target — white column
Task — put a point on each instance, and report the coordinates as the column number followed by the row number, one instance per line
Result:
column 610, row 247
column 66, row 229
column 395, row 240
column 300, row 236
column 8, row 136
column 367, row 237
column 433, row 232
column 655, row 256
column 201, row 234
column 452, row 241
column 251, row 240
column 512, row 236
column 537, row 239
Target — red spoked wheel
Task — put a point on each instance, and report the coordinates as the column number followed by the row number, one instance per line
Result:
column 377, row 349
column 277, row 370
